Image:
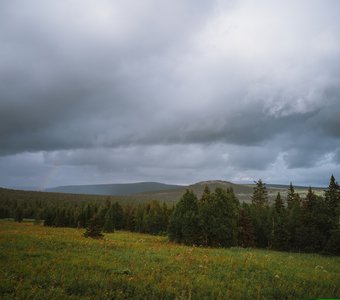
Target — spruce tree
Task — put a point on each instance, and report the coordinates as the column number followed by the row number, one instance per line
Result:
column 332, row 198
column 260, row 194
column 140, row 218
column 232, row 196
column 118, row 216
column 37, row 219
column 184, row 222
column 280, row 234
column 206, row 194
column 246, row 236
column 108, row 221
column 313, row 231
column 279, row 205
column 49, row 217
column 333, row 244
column 129, row 218
column 332, row 193
column 206, row 209
column 280, row 238
column 94, row 229
column 225, row 215
column 293, row 199
column 260, row 214
column 18, row 214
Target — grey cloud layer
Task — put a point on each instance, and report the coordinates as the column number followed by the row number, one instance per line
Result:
column 259, row 80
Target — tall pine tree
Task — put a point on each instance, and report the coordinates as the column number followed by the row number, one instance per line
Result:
column 293, row 199
column 260, row 214
column 280, row 234
column 184, row 226
column 332, row 198
column 260, row 194
column 246, row 237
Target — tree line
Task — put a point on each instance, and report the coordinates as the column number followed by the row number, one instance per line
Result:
column 309, row 224
column 216, row 219
column 150, row 218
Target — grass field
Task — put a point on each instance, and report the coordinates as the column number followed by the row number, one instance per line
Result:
column 58, row 263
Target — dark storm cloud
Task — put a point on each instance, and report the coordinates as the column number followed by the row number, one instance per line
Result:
column 148, row 87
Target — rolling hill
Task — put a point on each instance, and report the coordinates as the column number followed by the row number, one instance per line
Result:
column 143, row 192
column 113, row 189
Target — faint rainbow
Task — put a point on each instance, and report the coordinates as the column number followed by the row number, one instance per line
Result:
column 44, row 182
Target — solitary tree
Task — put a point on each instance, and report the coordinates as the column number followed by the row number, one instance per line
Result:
column 94, row 229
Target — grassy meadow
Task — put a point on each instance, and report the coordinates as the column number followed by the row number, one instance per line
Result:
column 59, row 263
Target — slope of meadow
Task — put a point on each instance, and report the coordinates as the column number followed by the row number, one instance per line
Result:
column 59, row 263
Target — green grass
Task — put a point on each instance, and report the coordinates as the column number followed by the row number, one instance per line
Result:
column 58, row 263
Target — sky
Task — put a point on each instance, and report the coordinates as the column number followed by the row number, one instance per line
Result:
column 169, row 91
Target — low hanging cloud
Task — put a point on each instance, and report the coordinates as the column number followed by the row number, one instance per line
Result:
column 177, row 92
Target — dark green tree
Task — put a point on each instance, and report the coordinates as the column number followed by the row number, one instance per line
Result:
column 206, row 209
column 293, row 199
column 154, row 220
column 94, row 229
column 129, row 218
column 246, row 236
column 18, row 214
column 294, row 217
column 333, row 244
column 232, row 197
column 260, row 194
column 279, row 205
column 108, row 221
column 206, row 194
column 280, row 238
column 224, row 219
column 260, row 214
column 49, row 217
column 184, row 224
column 37, row 218
column 118, row 216
column 4, row 212
column 332, row 198
column 140, row 218
column 294, row 222
column 280, row 234
column 262, row 223
column 332, row 194
column 313, row 231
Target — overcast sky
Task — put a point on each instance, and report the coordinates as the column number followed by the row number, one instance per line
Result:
column 170, row 91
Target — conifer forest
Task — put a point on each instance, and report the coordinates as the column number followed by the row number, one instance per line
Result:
column 216, row 219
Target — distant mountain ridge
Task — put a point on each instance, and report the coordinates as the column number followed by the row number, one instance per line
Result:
column 143, row 191
column 153, row 189
column 117, row 189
